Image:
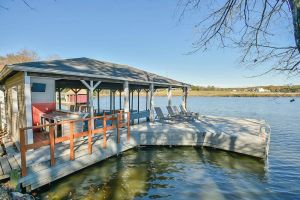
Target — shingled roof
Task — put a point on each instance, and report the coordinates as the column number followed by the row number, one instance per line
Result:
column 86, row 67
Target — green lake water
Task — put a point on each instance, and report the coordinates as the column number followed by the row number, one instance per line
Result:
column 195, row 172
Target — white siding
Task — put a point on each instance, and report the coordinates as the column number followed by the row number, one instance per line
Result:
column 2, row 110
column 43, row 97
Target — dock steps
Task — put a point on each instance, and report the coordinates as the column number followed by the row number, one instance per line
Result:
column 8, row 161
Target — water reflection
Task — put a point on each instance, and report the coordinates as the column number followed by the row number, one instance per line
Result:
column 159, row 172
column 195, row 173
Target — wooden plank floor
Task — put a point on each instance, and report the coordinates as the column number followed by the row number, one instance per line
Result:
column 40, row 172
column 8, row 162
column 12, row 161
column 217, row 132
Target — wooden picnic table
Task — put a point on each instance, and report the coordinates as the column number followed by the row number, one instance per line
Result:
column 58, row 116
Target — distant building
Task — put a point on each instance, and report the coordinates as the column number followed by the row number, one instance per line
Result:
column 261, row 90
column 81, row 96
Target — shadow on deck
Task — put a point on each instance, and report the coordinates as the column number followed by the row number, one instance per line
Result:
column 243, row 136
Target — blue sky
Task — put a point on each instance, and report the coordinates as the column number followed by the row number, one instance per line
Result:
column 141, row 33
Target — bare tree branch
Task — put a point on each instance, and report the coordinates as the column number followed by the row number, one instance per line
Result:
column 251, row 25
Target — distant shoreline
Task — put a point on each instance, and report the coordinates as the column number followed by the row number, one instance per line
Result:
column 230, row 94
column 217, row 93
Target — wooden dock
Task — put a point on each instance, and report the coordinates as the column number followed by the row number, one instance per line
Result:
column 8, row 162
column 246, row 136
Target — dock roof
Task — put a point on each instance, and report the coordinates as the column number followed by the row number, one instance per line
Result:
column 87, row 68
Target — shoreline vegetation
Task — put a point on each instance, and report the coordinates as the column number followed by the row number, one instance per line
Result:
column 230, row 94
column 211, row 91
column 258, row 91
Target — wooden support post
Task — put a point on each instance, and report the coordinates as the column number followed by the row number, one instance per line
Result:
column 52, row 145
column 114, row 100
column 147, row 97
column 147, row 100
column 28, row 107
column 118, row 125
column 121, row 118
column 128, row 126
column 132, row 100
column 98, row 100
column 151, row 102
column 59, row 98
column 110, row 101
column 104, row 132
column 76, row 99
column 184, row 97
column 126, row 96
column 23, row 152
column 129, row 100
column 170, row 96
column 72, row 157
column 138, row 92
column 91, row 87
column 120, row 100
column 90, row 135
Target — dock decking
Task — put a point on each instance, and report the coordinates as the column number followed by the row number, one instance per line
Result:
column 246, row 136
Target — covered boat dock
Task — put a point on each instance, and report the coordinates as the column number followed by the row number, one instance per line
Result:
column 51, row 141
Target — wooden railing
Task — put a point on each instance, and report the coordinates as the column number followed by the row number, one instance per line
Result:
column 118, row 118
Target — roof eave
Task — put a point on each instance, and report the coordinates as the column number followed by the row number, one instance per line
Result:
column 61, row 72
column 5, row 72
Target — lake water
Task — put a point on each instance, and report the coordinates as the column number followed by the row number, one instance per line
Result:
column 199, row 173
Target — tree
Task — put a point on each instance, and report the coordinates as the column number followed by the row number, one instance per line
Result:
column 23, row 55
column 253, row 26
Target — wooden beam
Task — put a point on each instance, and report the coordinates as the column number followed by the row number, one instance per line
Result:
column 97, row 84
column 128, row 126
column 98, row 100
column 184, row 97
column 90, row 128
column 132, row 100
column 76, row 92
column 120, row 100
column 59, row 98
column 129, row 100
column 88, row 86
column 114, row 100
column 52, row 145
column 23, row 153
column 91, row 88
column 72, row 156
column 170, row 96
column 138, row 92
column 151, row 89
column 110, row 100
column 147, row 98
column 126, row 96
column 104, row 131
column 118, row 127
column 28, row 107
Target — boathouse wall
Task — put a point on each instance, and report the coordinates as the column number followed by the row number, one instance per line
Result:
column 15, row 105
column 42, row 101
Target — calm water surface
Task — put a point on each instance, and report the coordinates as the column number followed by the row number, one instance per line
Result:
column 199, row 173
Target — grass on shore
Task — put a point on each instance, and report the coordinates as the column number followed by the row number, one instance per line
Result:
column 228, row 94
column 215, row 93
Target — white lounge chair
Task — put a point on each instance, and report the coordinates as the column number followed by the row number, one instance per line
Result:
column 174, row 112
column 160, row 115
column 171, row 112
column 187, row 113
